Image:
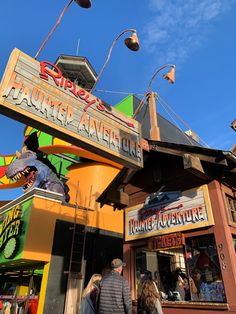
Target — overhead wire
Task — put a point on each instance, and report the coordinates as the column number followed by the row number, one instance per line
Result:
column 114, row 92
column 164, row 105
column 188, row 139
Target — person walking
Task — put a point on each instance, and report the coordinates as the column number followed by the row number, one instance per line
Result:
column 150, row 298
column 114, row 291
column 90, row 295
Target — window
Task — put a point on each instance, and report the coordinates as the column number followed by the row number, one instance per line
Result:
column 234, row 242
column 204, row 268
column 231, row 205
column 187, row 273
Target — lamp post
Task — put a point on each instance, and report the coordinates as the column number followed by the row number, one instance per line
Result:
column 170, row 77
column 131, row 42
column 86, row 4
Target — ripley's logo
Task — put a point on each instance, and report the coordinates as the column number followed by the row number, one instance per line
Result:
column 56, row 74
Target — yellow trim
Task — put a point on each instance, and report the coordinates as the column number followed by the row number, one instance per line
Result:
column 43, row 288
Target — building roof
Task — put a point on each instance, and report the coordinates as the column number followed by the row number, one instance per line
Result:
column 176, row 162
column 168, row 131
column 170, row 167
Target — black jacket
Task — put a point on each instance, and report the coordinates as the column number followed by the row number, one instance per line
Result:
column 114, row 295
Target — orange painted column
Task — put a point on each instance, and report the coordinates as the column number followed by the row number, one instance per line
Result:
column 224, row 243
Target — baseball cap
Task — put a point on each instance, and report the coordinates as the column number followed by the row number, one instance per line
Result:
column 117, row 263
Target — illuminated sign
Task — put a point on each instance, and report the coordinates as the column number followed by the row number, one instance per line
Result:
column 10, row 230
column 37, row 94
column 188, row 210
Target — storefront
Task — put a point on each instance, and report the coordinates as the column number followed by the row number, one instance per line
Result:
column 50, row 248
column 180, row 226
column 185, row 242
column 71, row 240
column 21, row 271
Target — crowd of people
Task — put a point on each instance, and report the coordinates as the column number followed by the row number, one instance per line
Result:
column 110, row 294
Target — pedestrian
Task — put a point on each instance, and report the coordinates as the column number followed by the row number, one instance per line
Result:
column 150, row 298
column 114, row 291
column 90, row 295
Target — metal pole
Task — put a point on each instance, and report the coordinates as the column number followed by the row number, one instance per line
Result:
column 53, row 29
column 149, row 88
column 108, row 57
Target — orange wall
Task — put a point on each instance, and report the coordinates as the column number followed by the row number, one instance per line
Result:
column 86, row 182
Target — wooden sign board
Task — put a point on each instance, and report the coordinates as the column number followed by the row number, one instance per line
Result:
column 36, row 93
column 190, row 211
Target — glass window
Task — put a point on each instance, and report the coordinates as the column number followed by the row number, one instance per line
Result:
column 231, row 206
column 204, row 269
column 186, row 273
column 234, row 242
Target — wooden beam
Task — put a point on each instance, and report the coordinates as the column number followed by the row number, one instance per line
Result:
column 117, row 199
column 193, row 165
column 176, row 152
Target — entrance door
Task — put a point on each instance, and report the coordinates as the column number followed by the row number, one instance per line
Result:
column 165, row 261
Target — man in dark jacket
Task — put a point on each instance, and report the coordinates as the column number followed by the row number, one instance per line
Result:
column 114, row 291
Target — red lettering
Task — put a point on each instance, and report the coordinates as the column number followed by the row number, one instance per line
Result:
column 89, row 104
column 101, row 107
column 68, row 84
column 45, row 72
column 80, row 93
column 73, row 90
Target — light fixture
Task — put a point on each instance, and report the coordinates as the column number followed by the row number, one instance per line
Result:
column 170, row 77
column 86, row 4
column 233, row 125
column 131, row 42
column 151, row 96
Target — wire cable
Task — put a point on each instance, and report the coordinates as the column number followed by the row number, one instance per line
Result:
column 164, row 104
column 114, row 92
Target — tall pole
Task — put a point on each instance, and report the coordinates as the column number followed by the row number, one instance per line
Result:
column 53, row 29
column 154, row 128
column 110, row 51
column 170, row 77
column 82, row 3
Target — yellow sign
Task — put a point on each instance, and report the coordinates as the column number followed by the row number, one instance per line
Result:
column 37, row 94
column 11, row 226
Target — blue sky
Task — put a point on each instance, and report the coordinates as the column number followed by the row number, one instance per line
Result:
column 198, row 36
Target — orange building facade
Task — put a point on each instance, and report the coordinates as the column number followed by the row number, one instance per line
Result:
column 59, row 245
